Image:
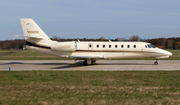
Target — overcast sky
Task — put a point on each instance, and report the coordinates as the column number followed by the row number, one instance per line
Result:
column 93, row 18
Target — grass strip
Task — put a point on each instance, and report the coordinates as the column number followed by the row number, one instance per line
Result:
column 89, row 87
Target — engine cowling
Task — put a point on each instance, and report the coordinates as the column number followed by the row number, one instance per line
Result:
column 64, row 46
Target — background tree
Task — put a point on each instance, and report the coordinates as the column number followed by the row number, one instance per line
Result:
column 56, row 38
column 178, row 45
column 135, row 38
column 163, row 42
column 169, row 43
column 120, row 39
column 102, row 38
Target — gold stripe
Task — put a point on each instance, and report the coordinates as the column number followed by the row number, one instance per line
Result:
column 122, row 51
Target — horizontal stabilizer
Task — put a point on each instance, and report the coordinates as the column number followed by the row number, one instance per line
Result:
column 34, row 37
column 93, row 57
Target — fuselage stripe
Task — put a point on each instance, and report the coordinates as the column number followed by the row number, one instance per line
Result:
column 113, row 51
column 35, row 45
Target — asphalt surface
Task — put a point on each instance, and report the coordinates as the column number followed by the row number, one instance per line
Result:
column 101, row 65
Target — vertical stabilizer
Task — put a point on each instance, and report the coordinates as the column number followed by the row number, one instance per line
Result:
column 33, row 32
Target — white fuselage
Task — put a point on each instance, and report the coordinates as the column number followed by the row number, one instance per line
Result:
column 102, row 50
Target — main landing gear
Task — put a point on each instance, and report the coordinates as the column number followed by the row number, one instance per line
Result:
column 156, row 62
column 88, row 62
column 85, row 62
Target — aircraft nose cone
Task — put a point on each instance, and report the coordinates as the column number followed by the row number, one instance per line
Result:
column 169, row 53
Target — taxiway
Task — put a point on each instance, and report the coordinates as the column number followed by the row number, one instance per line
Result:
column 101, row 65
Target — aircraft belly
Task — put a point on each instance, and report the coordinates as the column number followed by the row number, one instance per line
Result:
column 108, row 55
column 86, row 54
column 115, row 55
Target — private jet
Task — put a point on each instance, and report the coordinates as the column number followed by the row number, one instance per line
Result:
column 89, row 51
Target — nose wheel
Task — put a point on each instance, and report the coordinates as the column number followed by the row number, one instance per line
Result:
column 156, row 62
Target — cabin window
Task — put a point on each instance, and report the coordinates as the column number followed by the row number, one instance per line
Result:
column 122, row 46
column 103, row 46
column 128, row 46
column 109, row 46
column 115, row 46
column 90, row 46
column 145, row 46
column 134, row 46
column 149, row 46
column 97, row 46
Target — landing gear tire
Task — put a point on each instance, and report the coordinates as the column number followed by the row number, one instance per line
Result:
column 85, row 63
column 93, row 61
column 88, row 62
column 156, row 62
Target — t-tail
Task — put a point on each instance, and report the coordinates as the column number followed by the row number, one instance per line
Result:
column 33, row 33
column 37, row 40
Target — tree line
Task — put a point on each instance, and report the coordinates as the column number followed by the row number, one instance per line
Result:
column 165, row 43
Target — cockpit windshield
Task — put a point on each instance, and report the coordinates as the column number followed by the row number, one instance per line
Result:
column 151, row 46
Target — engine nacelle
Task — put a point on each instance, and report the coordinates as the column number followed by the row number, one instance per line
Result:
column 64, row 46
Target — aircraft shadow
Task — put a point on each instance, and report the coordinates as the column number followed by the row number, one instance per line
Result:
column 34, row 63
column 77, row 64
column 80, row 64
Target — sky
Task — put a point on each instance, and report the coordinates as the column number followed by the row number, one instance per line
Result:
column 93, row 18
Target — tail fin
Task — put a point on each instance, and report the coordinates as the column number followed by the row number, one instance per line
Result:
column 33, row 33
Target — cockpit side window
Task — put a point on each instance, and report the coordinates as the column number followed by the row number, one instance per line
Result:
column 149, row 46
column 152, row 46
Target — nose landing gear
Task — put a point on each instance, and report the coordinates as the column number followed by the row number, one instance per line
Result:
column 156, row 62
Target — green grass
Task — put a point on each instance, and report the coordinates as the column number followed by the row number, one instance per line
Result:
column 2, row 52
column 32, row 55
column 27, row 55
column 89, row 87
